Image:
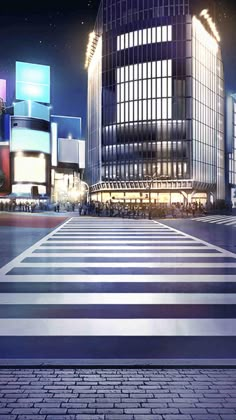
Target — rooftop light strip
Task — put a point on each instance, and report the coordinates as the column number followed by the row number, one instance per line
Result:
column 205, row 14
column 204, row 36
column 91, row 47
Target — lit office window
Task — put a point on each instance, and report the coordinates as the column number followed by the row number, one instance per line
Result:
column 144, row 37
column 138, row 84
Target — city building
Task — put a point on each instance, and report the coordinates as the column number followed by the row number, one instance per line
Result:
column 30, row 147
column 231, row 148
column 68, row 158
column 42, row 156
column 5, row 184
column 155, row 103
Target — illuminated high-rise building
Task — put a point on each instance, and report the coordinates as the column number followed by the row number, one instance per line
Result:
column 231, row 148
column 155, row 102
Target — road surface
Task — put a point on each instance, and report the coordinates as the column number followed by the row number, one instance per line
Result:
column 100, row 289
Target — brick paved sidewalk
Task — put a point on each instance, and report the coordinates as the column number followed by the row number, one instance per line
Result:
column 117, row 394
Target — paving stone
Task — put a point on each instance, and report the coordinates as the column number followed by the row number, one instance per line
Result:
column 53, row 411
column 8, row 417
column 75, row 405
column 147, row 417
column 29, row 411
column 116, row 394
column 228, row 417
column 127, row 405
column 165, row 411
column 109, row 411
column 222, row 411
column 119, row 417
column 207, row 417
column 81, row 411
column 5, row 410
column 31, row 417
column 177, row 417
column 89, row 417
column 137, row 410
column 62, row 417
column 20, row 405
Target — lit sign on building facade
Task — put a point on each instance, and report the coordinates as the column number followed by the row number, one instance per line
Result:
column 30, row 154
column 68, row 127
column 4, row 168
column 32, row 82
column 3, row 89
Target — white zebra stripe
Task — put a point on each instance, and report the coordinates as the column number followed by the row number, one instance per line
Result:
column 124, row 241
column 117, row 278
column 127, row 265
column 117, row 299
column 125, row 255
column 123, row 247
column 118, row 327
column 112, row 236
column 218, row 220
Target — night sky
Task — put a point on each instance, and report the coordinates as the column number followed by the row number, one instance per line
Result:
column 45, row 32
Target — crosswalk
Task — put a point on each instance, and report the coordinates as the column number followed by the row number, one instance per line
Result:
column 218, row 220
column 118, row 289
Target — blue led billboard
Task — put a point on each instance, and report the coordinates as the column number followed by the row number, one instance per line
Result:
column 25, row 140
column 32, row 82
column 68, row 126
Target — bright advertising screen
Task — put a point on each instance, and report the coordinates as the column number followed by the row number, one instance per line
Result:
column 32, row 82
column 68, row 126
column 29, row 169
column 23, row 139
column 3, row 89
column 4, row 169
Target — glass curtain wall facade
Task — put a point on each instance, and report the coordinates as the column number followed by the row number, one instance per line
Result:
column 232, row 143
column 95, row 114
column 207, row 109
column 160, row 115
column 231, row 148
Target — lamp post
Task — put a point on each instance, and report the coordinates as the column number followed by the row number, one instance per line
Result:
column 151, row 178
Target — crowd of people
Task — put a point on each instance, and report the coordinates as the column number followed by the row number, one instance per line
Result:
column 189, row 209
column 131, row 210
column 22, row 206
column 119, row 209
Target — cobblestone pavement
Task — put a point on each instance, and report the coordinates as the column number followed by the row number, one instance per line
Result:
column 117, row 394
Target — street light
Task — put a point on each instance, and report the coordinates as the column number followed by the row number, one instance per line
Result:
column 151, row 179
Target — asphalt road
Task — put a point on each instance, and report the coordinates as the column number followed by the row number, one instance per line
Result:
column 19, row 231
column 119, row 291
column 218, row 230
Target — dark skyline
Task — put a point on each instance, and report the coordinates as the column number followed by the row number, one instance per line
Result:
column 46, row 33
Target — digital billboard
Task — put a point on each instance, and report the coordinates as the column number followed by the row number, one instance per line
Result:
column 32, row 82
column 29, row 168
column 3, row 89
column 24, row 139
column 4, row 169
column 5, row 127
column 68, row 127
column 32, row 109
